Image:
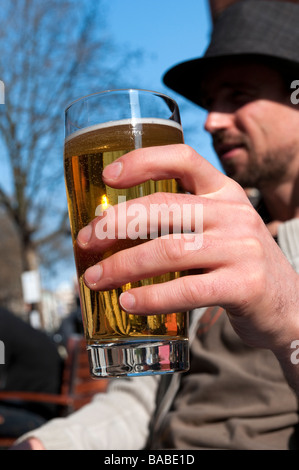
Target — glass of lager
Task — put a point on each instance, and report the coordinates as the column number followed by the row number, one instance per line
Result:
column 99, row 129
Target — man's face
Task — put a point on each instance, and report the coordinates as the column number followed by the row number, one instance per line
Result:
column 253, row 124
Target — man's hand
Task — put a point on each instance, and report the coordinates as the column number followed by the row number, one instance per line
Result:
column 238, row 266
column 29, row 444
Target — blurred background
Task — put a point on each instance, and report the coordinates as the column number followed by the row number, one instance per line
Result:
column 53, row 52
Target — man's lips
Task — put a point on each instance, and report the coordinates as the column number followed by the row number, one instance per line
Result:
column 228, row 150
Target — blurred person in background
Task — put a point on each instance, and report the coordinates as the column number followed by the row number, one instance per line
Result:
column 31, row 364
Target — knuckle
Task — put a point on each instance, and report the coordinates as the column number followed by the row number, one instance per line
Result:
column 150, row 299
column 161, row 198
column 250, row 217
column 253, row 248
column 191, row 292
column 254, row 271
column 158, row 198
column 172, row 249
column 141, row 257
column 188, row 154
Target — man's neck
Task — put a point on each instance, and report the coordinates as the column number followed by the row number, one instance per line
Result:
column 282, row 201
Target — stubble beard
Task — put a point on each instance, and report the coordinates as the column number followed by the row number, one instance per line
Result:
column 262, row 170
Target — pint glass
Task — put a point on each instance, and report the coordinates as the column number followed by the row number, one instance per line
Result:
column 99, row 129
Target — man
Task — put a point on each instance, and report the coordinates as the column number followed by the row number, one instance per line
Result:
column 235, row 395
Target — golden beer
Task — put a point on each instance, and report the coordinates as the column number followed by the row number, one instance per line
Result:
column 86, row 154
column 100, row 128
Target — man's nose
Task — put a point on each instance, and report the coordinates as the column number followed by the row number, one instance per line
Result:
column 218, row 120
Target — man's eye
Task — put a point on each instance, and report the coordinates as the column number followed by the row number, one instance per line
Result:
column 239, row 96
column 207, row 103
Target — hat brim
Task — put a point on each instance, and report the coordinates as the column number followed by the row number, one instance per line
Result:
column 187, row 77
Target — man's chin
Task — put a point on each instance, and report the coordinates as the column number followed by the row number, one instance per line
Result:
column 231, row 171
column 244, row 180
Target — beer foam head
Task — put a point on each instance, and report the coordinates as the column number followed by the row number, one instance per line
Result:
column 134, row 122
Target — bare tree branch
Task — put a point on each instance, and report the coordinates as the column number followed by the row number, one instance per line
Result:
column 51, row 53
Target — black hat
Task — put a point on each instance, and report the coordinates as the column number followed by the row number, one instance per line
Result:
column 261, row 29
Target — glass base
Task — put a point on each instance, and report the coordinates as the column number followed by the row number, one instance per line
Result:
column 134, row 358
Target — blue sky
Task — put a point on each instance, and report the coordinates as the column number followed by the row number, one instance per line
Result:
column 168, row 32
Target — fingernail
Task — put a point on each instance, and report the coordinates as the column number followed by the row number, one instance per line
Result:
column 93, row 275
column 113, row 170
column 84, row 235
column 127, row 301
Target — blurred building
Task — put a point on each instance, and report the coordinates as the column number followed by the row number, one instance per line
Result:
column 10, row 267
column 45, row 312
column 57, row 305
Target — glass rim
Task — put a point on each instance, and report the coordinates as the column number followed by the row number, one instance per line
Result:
column 116, row 90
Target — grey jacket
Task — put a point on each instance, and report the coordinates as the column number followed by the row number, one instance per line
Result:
column 134, row 410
